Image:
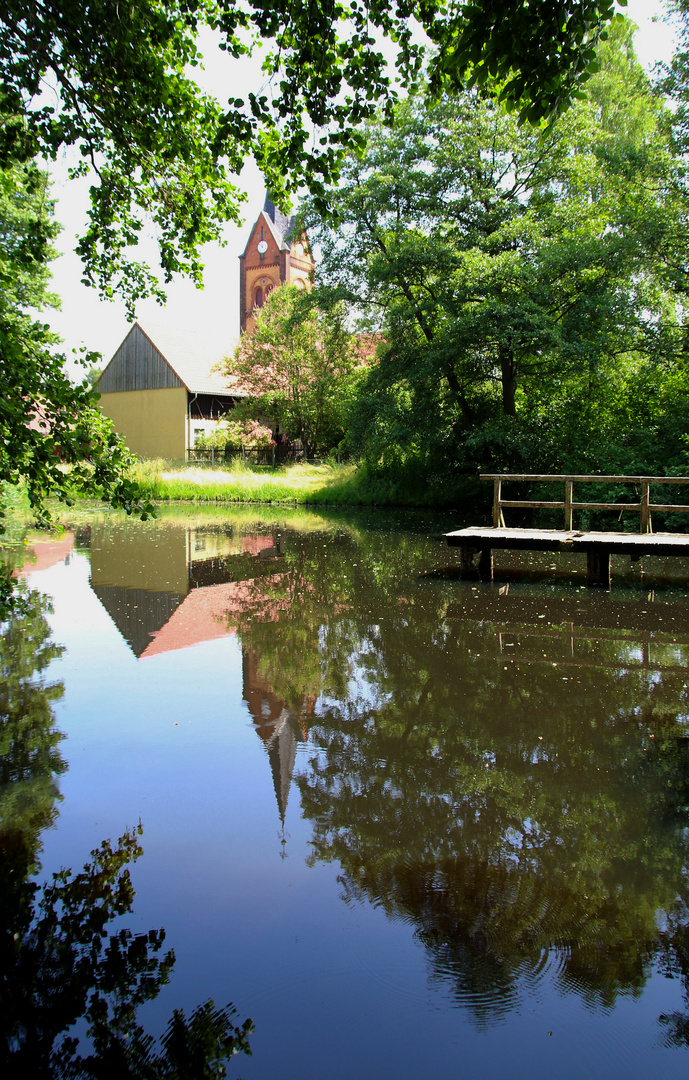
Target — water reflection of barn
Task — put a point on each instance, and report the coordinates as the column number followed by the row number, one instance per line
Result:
column 188, row 586
column 176, row 588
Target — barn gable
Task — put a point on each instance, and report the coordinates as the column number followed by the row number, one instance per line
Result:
column 137, row 365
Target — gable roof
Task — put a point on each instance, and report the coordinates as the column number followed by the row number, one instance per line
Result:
column 188, row 355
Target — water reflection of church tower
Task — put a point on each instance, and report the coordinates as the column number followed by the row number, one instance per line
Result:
column 279, row 726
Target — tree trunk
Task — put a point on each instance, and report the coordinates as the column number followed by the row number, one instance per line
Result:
column 464, row 407
column 508, row 377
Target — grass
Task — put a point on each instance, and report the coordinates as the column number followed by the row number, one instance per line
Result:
column 14, row 501
column 327, row 484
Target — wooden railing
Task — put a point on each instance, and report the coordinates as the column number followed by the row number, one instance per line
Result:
column 644, row 507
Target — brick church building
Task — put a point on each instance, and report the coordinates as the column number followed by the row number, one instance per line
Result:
column 273, row 256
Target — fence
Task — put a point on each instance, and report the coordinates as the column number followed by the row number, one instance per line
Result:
column 644, row 507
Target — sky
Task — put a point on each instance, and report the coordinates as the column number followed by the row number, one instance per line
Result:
column 85, row 320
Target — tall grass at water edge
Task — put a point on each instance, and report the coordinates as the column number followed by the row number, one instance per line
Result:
column 327, row 484
column 300, row 483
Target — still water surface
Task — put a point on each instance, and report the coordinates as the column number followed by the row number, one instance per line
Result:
column 412, row 826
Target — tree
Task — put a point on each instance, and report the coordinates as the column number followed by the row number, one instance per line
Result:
column 674, row 77
column 52, row 434
column 122, row 93
column 115, row 83
column 500, row 258
column 298, row 366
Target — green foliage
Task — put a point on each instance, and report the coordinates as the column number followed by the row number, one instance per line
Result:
column 124, row 95
column 299, row 365
column 539, row 54
column 53, row 437
column 524, row 279
column 674, row 77
column 236, row 434
column 93, row 374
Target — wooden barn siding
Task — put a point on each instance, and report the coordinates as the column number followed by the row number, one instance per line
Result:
column 137, row 365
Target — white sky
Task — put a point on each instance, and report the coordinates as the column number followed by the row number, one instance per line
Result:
column 101, row 325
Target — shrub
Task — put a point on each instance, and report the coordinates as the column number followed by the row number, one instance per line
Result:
column 235, row 434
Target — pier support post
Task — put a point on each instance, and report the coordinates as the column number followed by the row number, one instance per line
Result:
column 598, row 567
column 485, row 564
column 466, row 566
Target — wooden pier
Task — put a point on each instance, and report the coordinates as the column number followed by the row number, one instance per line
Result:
column 597, row 546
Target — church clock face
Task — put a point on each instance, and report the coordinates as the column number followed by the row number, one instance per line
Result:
column 262, row 247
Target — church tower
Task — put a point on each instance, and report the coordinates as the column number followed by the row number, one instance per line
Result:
column 273, row 256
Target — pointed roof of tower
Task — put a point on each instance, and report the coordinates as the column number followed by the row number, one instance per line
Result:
column 282, row 753
column 281, row 225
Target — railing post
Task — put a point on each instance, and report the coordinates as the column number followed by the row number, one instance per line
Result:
column 498, row 519
column 272, row 455
column 569, row 486
column 646, row 525
column 212, row 455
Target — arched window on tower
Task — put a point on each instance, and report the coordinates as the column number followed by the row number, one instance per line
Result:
column 259, row 297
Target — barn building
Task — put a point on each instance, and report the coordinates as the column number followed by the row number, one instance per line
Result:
column 161, row 390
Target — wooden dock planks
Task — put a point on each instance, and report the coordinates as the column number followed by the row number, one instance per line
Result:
column 597, row 546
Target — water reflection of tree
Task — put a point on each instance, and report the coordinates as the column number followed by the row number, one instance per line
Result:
column 518, row 818
column 60, row 965
column 309, row 622
column 30, row 759
column 503, row 817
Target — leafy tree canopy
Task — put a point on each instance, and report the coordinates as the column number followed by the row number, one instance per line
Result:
column 503, row 261
column 299, row 366
column 674, row 77
column 116, row 81
column 52, row 434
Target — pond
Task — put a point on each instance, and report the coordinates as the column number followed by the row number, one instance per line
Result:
column 412, row 826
